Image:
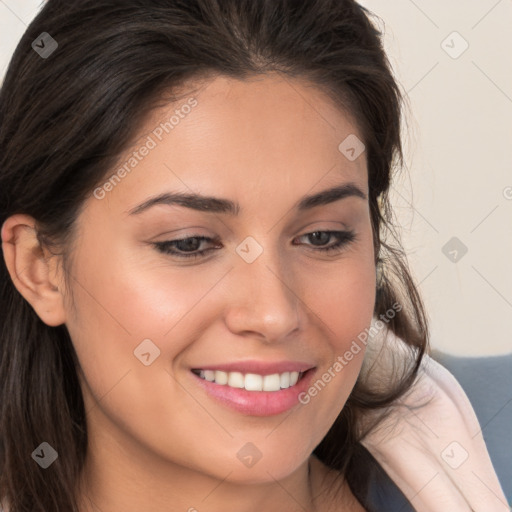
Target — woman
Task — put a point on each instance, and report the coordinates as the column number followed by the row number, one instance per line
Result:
column 194, row 215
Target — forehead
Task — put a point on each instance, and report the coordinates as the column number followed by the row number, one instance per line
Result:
column 271, row 111
column 265, row 138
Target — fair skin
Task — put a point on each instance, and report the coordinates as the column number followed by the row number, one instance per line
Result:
column 157, row 440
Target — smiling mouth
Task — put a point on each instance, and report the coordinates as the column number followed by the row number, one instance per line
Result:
column 251, row 381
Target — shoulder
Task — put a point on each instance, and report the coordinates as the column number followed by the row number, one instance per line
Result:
column 431, row 444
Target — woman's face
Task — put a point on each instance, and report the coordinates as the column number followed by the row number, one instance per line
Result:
column 262, row 300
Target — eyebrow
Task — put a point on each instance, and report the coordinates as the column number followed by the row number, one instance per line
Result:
column 219, row 205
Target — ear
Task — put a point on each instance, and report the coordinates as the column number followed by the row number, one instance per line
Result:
column 33, row 269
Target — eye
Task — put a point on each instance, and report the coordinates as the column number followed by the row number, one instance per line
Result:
column 189, row 247
column 343, row 238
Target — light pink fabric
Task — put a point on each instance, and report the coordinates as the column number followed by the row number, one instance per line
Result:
column 436, row 454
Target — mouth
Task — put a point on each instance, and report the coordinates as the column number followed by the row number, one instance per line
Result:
column 267, row 393
column 251, row 381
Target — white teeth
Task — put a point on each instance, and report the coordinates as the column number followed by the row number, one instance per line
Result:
column 272, row 382
column 251, row 381
column 209, row 375
column 254, row 382
column 236, row 380
column 221, row 377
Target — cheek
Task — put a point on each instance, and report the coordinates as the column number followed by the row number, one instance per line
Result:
column 120, row 305
column 342, row 295
column 121, row 301
column 345, row 306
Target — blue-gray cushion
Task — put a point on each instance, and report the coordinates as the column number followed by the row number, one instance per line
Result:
column 487, row 381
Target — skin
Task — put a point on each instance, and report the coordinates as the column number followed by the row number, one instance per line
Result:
column 155, row 437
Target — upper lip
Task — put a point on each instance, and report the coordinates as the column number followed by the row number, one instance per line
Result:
column 259, row 367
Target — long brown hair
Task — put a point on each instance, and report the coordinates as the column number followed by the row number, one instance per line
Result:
column 65, row 119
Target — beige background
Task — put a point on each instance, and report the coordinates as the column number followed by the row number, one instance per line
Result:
column 458, row 138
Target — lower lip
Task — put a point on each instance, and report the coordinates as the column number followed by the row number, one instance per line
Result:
column 257, row 403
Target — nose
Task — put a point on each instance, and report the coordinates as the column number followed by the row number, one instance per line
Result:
column 264, row 299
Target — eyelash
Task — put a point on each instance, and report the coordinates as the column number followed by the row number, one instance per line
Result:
column 344, row 238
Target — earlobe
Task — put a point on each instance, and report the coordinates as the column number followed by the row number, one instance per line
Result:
column 31, row 269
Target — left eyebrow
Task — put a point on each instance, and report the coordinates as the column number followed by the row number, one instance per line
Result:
column 219, row 205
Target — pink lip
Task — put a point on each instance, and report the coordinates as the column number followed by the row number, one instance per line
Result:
column 256, row 403
column 259, row 367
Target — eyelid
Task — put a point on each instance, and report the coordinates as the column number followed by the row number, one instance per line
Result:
column 344, row 238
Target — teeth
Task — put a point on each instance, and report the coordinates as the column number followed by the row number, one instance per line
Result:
column 294, row 377
column 254, row 382
column 271, row 382
column 209, row 375
column 251, row 381
column 236, row 380
column 221, row 377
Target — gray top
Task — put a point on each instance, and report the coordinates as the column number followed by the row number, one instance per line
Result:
column 372, row 486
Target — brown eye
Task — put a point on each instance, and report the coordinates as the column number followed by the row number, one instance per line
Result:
column 185, row 247
column 320, row 238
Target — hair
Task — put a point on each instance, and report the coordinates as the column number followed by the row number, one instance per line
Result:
column 66, row 119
